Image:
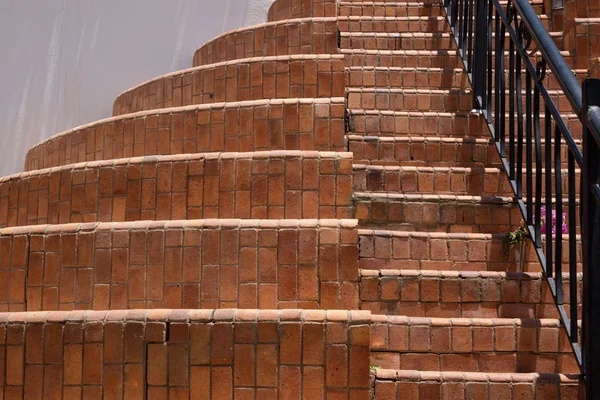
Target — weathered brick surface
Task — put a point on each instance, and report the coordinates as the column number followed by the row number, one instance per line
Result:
column 161, row 354
column 406, row 77
column 397, row 41
column 294, row 124
column 248, row 79
column 439, row 213
column 296, row 36
column 415, row 385
column 467, row 294
column 433, row 151
column 438, row 251
column 291, row 9
column 276, row 184
column 427, row 123
column 489, row 182
column 267, row 264
column 396, row 9
column 471, row 345
column 387, row 24
column 425, row 100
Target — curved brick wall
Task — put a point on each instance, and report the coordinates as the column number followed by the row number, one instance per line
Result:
column 191, row 354
column 295, row 124
column 307, row 76
column 277, row 184
column 288, row 9
column 267, row 264
column 297, row 36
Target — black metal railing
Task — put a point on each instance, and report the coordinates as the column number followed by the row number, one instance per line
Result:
column 511, row 62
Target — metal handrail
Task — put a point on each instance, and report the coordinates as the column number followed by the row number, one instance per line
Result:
column 514, row 118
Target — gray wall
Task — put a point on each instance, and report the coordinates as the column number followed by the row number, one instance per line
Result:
column 63, row 62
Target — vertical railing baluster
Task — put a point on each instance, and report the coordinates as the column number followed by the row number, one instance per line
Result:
column 519, row 116
column 538, row 164
column 480, row 59
column 558, row 212
column 528, row 148
column 548, row 192
column 501, row 73
column 572, row 232
column 497, row 93
column 469, row 56
column 490, row 64
column 511, row 111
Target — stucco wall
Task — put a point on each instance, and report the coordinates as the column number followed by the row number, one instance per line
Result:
column 65, row 61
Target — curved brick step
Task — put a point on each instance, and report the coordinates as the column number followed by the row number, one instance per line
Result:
column 207, row 354
column 451, row 294
column 295, row 76
column 440, row 251
column 471, row 345
column 395, row 77
column 416, row 385
column 290, row 9
column 440, row 100
column 424, row 123
column 389, row 24
column 267, row 264
column 440, row 213
column 294, row 36
column 290, row 124
column 397, row 41
column 276, row 184
column 415, row 58
column 432, row 151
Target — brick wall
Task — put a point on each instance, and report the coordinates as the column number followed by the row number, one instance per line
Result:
column 300, row 36
column 298, row 76
column 290, row 9
column 299, row 124
column 154, row 354
column 278, row 184
column 267, row 264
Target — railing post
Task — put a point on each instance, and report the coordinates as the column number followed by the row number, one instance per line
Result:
column 590, row 235
column 480, row 55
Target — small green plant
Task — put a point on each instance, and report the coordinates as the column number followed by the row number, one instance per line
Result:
column 374, row 367
column 513, row 238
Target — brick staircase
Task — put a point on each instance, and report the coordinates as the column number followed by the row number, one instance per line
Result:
column 302, row 214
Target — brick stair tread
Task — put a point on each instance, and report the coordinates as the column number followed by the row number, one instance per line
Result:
column 455, row 376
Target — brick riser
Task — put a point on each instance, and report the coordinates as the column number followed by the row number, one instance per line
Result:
column 465, row 345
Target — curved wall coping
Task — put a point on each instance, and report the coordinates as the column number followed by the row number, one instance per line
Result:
column 234, row 62
column 179, row 315
column 260, row 155
column 193, row 107
column 181, row 224
column 267, row 24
